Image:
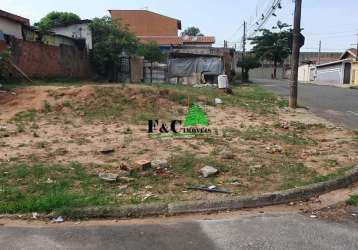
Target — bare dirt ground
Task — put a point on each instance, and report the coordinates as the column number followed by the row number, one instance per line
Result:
column 61, row 125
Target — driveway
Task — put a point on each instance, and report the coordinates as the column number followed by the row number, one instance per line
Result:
column 271, row 231
column 338, row 105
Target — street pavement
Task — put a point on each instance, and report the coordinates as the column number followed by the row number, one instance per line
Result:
column 266, row 231
column 338, row 105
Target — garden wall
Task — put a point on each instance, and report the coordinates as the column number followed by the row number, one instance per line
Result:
column 40, row 60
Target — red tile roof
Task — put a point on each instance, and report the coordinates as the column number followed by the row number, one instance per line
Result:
column 15, row 18
column 353, row 51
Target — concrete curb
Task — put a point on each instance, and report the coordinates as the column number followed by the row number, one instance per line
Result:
column 233, row 203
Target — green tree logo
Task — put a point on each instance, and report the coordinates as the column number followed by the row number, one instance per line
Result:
column 196, row 116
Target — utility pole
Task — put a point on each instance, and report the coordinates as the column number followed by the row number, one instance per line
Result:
column 319, row 52
column 295, row 54
column 357, row 49
column 243, row 52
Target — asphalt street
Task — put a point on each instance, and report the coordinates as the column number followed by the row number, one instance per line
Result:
column 272, row 231
column 338, row 105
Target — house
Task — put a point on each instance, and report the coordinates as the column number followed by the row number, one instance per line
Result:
column 149, row 26
column 338, row 72
column 77, row 30
column 13, row 25
column 355, row 73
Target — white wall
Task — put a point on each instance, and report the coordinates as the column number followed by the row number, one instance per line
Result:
column 76, row 31
column 330, row 74
column 11, row 28
column 304, row 73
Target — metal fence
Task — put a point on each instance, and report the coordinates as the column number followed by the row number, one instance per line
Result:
column 159, row 72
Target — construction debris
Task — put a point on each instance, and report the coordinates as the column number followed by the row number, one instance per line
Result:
column 211, row 189
column 108, row 177
column 143, row 164
column 208, row 171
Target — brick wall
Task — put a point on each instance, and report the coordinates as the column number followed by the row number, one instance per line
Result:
column 39, row 60
column 146, row 23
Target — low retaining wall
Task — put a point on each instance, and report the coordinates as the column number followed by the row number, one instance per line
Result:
column 275, row 198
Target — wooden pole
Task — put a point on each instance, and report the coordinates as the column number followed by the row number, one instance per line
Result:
column 295, row 54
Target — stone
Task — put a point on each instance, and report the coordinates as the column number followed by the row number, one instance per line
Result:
column 218, row 101
column 208, row 171
column 254, row 168
column 143, row 164
column 226, row 153
column 108, row 177
column 160, row 164
column 107, row 150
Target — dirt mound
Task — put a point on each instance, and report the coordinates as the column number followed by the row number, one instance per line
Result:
column 29, row 98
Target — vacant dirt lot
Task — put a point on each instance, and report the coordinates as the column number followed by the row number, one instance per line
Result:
column 51, row 138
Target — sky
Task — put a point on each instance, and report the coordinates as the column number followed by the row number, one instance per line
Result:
column 333, row 22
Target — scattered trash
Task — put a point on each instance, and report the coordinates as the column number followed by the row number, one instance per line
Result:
column 124, row 167
column 143, row 164
column 35, row 215
column 147, row 196
column 227, row 154
column 285, row 125
column 218, row 101
column 313, row 216
column 159, row 164
column 49, row 181
column 59, row 219
column 108, row 177
column 126, row 179
column 254, row 168
column 274, row 149
column 208, row 171
column 211, row 189
column 148, row 187
column 107, row 150
column 292, row 203
column 354, row 215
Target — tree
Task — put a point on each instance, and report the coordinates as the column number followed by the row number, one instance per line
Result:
column 192, row 31
column 151, row 52
column 56, row 18
column 110, row 41
column 250, row 62
column 273, row 46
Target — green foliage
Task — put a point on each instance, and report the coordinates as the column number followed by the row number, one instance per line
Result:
column 192, row 31
column 196, row 116
column 272, row 46
column 151, row 52
column 248, row 63
column 353, row 200
column 110, row 40
column 56, row 18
